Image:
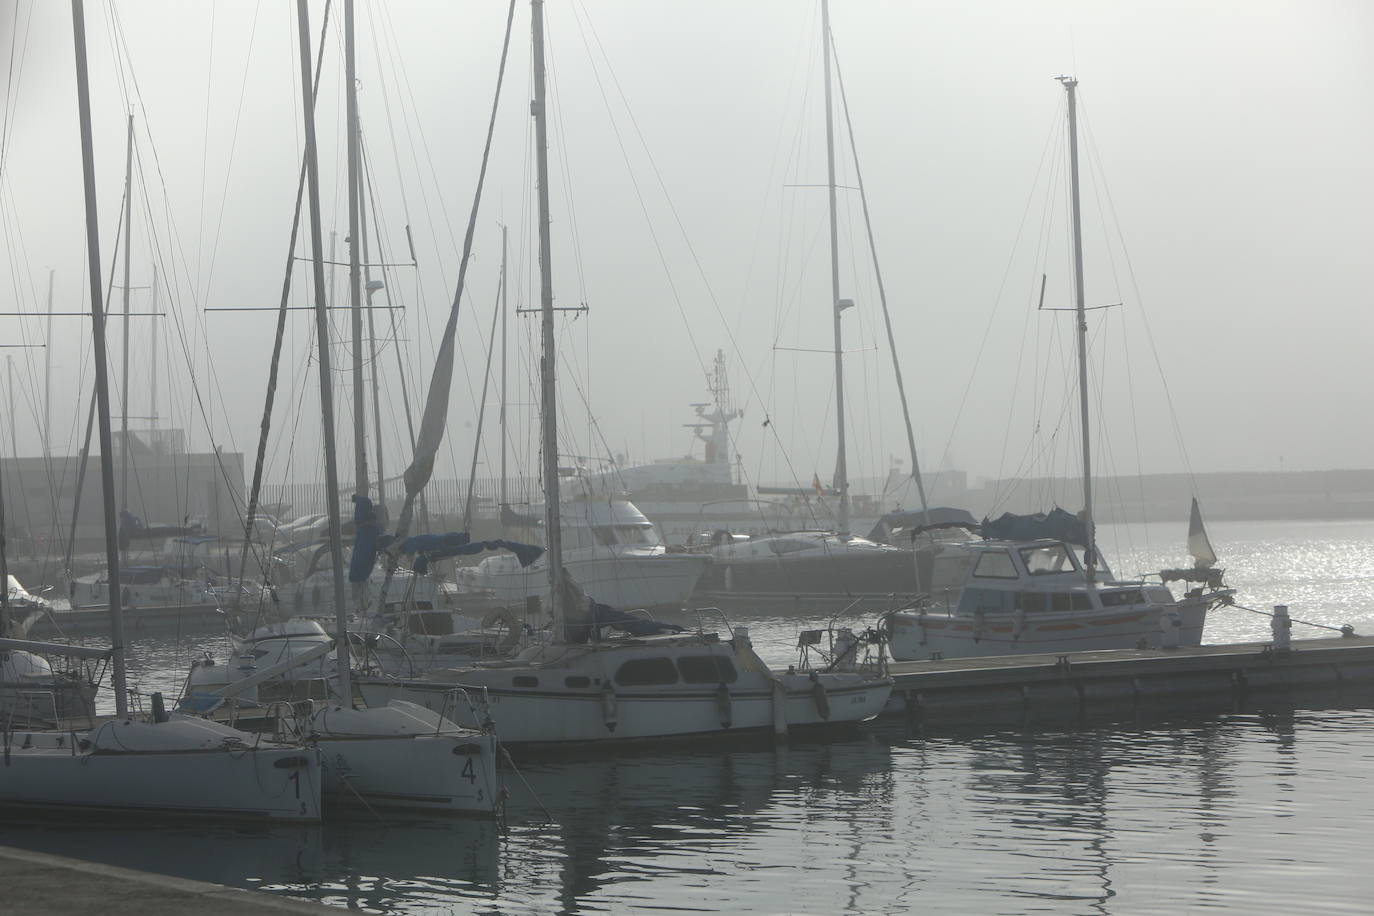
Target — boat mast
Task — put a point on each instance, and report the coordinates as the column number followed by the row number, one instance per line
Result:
column 152, row 359
column 47, row 380
column 331, row 463
column 124, row 384
column 549, row 433
column 372, row 342
column 882, row 298
column 505, row 313
column 355, row 296
column 102, row 391
column 841, row 469
column 1090, row 560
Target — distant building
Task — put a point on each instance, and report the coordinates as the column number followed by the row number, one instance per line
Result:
column 165, row 485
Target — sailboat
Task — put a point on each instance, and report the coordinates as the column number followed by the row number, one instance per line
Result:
column 586, row 682
column 1040, row 584
column 394, row 754
column 826, row 566
column 160, row 764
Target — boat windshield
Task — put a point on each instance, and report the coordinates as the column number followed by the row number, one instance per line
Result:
column 638, row 535
column 1048, row 559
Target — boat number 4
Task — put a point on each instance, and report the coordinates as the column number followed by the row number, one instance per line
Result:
column 469, row 771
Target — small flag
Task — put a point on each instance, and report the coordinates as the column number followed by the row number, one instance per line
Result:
column 816, row 484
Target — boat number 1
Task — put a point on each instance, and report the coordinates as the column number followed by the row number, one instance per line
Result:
column 469, row 772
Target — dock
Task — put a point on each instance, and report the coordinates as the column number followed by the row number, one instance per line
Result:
column 42, row 883
column 1056, row 687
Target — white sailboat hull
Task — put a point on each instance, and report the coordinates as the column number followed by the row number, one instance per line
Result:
column 275, row 784
column 525, row 717
column 436, row 773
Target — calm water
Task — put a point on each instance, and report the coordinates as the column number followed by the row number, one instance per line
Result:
column 1262, row 810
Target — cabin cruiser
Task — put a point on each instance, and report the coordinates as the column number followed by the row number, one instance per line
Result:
column 1023, row 596
column 191, row 570
column 613, row 552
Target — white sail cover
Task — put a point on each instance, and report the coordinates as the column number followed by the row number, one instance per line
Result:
column 1204, row 557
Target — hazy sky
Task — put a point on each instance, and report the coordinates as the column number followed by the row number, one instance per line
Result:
column 1228, row 204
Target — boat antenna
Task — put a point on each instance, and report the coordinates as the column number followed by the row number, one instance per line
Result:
column 837, row 306
column 1070, row 85
column 331, row 462
column 102, row 390
column 547, row 377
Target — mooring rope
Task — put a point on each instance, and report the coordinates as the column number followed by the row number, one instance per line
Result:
column 1346, row 630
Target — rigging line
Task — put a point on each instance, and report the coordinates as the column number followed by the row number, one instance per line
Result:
column 205, row 146
column 982, row 345
column 878, row 276
column 482, row 408
column 233, row 145
column 1144, row 319
column 639, row 193
column 696, row 260
column 13, row 85
column 564, row 163
column 274, row 364
column 440, row 382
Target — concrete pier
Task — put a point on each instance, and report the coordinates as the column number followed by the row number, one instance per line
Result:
column 40, row 884
column 1056, row 687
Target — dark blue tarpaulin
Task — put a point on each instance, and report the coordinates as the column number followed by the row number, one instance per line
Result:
column 367, row 539
column 430, row 547
column 1057, row 524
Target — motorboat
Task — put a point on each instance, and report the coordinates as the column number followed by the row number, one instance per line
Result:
column 613, row 551
column 1025, row 596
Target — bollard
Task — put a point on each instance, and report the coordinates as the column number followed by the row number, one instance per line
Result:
column 1170, row 628
column 1282, row 627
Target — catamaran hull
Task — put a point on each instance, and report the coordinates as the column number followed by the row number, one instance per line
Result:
column 450, row 774
column 938, row 634
column 531, row 717
column 278, row 784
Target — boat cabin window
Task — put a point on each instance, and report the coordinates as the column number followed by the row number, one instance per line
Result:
column 640, row 672
column 524, row 680
column 995, row 564
column 1032, row 602
column 605, row 535
column 1048, row 559
column 637, row 535
column 1070, row 601
column 707, row 669
column 782, row 546
column 1121, row 597
column 577, row 680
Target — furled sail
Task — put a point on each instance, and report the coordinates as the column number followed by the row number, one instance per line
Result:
column 1204, row 557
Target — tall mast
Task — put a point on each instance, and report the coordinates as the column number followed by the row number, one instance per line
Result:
column 372, row 340
column 882, row 298
column 355, row 296
column 47, row 377
column 124, row 384
column 152, row 359
column 102, row 390
column 841, row 466
column 505, row 313
column 552, row 533
column 1071, row 86
column 331, row 463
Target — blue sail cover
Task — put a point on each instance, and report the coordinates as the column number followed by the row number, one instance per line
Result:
column 1058, row 524
column 367, row 539
column 430, row 547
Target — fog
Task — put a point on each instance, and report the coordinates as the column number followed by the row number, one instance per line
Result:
column 1228, row 206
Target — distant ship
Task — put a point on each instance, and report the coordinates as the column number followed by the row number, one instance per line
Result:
column 691, row 499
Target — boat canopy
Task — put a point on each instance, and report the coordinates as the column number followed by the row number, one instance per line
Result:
column 1058, row 524
column 937, row 516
